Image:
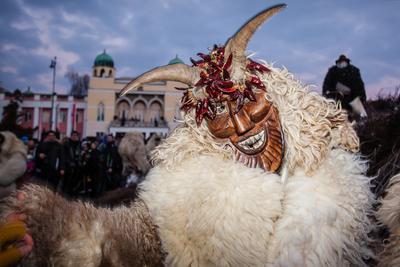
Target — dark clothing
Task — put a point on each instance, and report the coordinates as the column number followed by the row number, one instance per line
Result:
column 112, row 163
column 72, row 162
column 53, row 162
column 349, row 76
column 92, row 172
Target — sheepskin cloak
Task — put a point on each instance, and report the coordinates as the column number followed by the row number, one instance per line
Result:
column 213, row 212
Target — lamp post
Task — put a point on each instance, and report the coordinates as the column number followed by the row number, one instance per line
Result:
column 53, row 66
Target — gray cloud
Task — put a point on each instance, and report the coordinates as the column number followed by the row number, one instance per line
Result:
column 306, row 38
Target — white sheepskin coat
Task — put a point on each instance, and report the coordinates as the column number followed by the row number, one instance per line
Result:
column 211, row 211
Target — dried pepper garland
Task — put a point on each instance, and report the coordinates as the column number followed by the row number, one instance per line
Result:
column 216, row 80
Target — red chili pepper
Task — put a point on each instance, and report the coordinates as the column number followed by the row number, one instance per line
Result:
column 257, row 82
column 224, row 84
column 252, row 65
column 248, row 93
column 235, row 95
column 206, row 58
column 196, row 62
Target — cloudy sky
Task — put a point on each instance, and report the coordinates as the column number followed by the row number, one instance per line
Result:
column 306, row 38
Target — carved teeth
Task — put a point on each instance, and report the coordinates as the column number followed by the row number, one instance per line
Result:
column 253, row 142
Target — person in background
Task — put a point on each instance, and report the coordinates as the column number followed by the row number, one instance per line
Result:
column 72, row 161
column 30, row 172
column 112, row 165
column 343, row 83
column 32, row 146
column 80, row 187
column 50, row 159
column 25, row 139
column 93, row 170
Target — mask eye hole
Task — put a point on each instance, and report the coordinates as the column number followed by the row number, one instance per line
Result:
column 221, row 108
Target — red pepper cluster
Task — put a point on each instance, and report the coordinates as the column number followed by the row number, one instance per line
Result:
column 216, row 79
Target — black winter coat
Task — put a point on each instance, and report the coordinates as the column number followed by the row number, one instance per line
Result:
column 349, row 76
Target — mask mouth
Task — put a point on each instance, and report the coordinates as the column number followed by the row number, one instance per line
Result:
column 254, row 143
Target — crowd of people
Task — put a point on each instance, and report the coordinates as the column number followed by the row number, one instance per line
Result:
column 84, row 168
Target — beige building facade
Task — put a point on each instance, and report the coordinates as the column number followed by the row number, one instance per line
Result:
column 149, row 109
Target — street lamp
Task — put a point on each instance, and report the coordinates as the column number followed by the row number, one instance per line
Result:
column 53, row 66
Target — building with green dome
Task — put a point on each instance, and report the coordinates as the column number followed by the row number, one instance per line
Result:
column 152, row 108
column 103, row 66
column 176, row 60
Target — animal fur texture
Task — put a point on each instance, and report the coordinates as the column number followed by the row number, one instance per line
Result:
column 70, row 233
column 12, row 162
column 313, row 214
column 389, row 215
column 134, row 153
column 208, row 210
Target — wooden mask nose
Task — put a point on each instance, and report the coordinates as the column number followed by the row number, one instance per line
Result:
column 241, row 120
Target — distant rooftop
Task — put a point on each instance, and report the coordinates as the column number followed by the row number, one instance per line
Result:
column 175, row 60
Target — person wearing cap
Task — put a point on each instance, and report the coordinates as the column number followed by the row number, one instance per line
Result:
column 343, row 83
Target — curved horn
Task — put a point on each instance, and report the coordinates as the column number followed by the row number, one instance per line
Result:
column 176, row 72
column 237, row 44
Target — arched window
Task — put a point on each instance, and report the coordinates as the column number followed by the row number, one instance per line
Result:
column 110, row 73
column 100, row 112
column 155, row 111
column 102, row 72
column 94, row 73
column 123, row 109
column 139, row 110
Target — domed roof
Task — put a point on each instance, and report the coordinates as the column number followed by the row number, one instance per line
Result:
column 104, row 60
column 175, row 60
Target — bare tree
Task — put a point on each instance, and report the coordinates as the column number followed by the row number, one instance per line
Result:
column 79, row 83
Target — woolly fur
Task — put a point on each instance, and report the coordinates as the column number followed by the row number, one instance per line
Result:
column 71, row 233
column 312, row 126
column 211, row 211
column 12, row 162
column 389, row 215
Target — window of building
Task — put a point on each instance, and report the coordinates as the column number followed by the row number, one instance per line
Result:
column 99, row 134
column 100, row 112
column 155, row 111
column 46, row 116
column 123, row 109
column 102, row 72
column 28, row 116
column 78, row 117
column 139, row 111
column 63, row 116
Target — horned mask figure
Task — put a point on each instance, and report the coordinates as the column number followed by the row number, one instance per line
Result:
column 236, row 184
column 224, row 89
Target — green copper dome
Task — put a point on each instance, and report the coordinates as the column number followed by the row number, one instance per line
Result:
column 176, row 60
column 104, row 60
